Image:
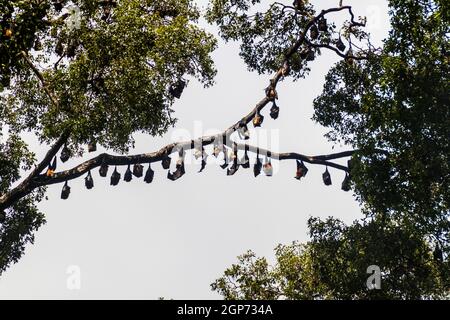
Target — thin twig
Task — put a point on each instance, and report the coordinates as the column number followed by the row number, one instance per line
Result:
column 41, row 79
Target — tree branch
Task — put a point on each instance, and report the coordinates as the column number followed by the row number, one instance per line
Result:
column 41, row 79
column 285, row 65
column 27, row 185
column 157, row 156
column 343, row 55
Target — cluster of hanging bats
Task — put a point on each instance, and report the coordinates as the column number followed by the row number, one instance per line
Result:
column 230, row 157
column 314, row 32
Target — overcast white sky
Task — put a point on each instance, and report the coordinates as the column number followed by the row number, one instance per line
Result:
column 173, row 239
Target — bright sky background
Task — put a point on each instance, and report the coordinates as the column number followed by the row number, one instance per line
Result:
column 173, row 239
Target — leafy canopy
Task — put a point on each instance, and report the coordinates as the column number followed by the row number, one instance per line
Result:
column 103, row 70
column 398, row 101
column 110, row 75
column 393, row 108
column 333, row 265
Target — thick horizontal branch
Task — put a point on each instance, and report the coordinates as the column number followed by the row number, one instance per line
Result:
column 157, row 156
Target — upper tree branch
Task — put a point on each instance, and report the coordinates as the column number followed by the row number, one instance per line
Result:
column 285, row 64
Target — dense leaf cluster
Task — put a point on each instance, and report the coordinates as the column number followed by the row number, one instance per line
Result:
column 399, row 102
column 110, row 67
column 393, row 106
column 333, row 265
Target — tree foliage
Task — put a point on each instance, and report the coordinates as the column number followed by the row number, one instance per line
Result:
column 268, row 36
column 110, row 75
column 94, row 71
column 333, row 265
column 398, row 101
column 395, row 100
